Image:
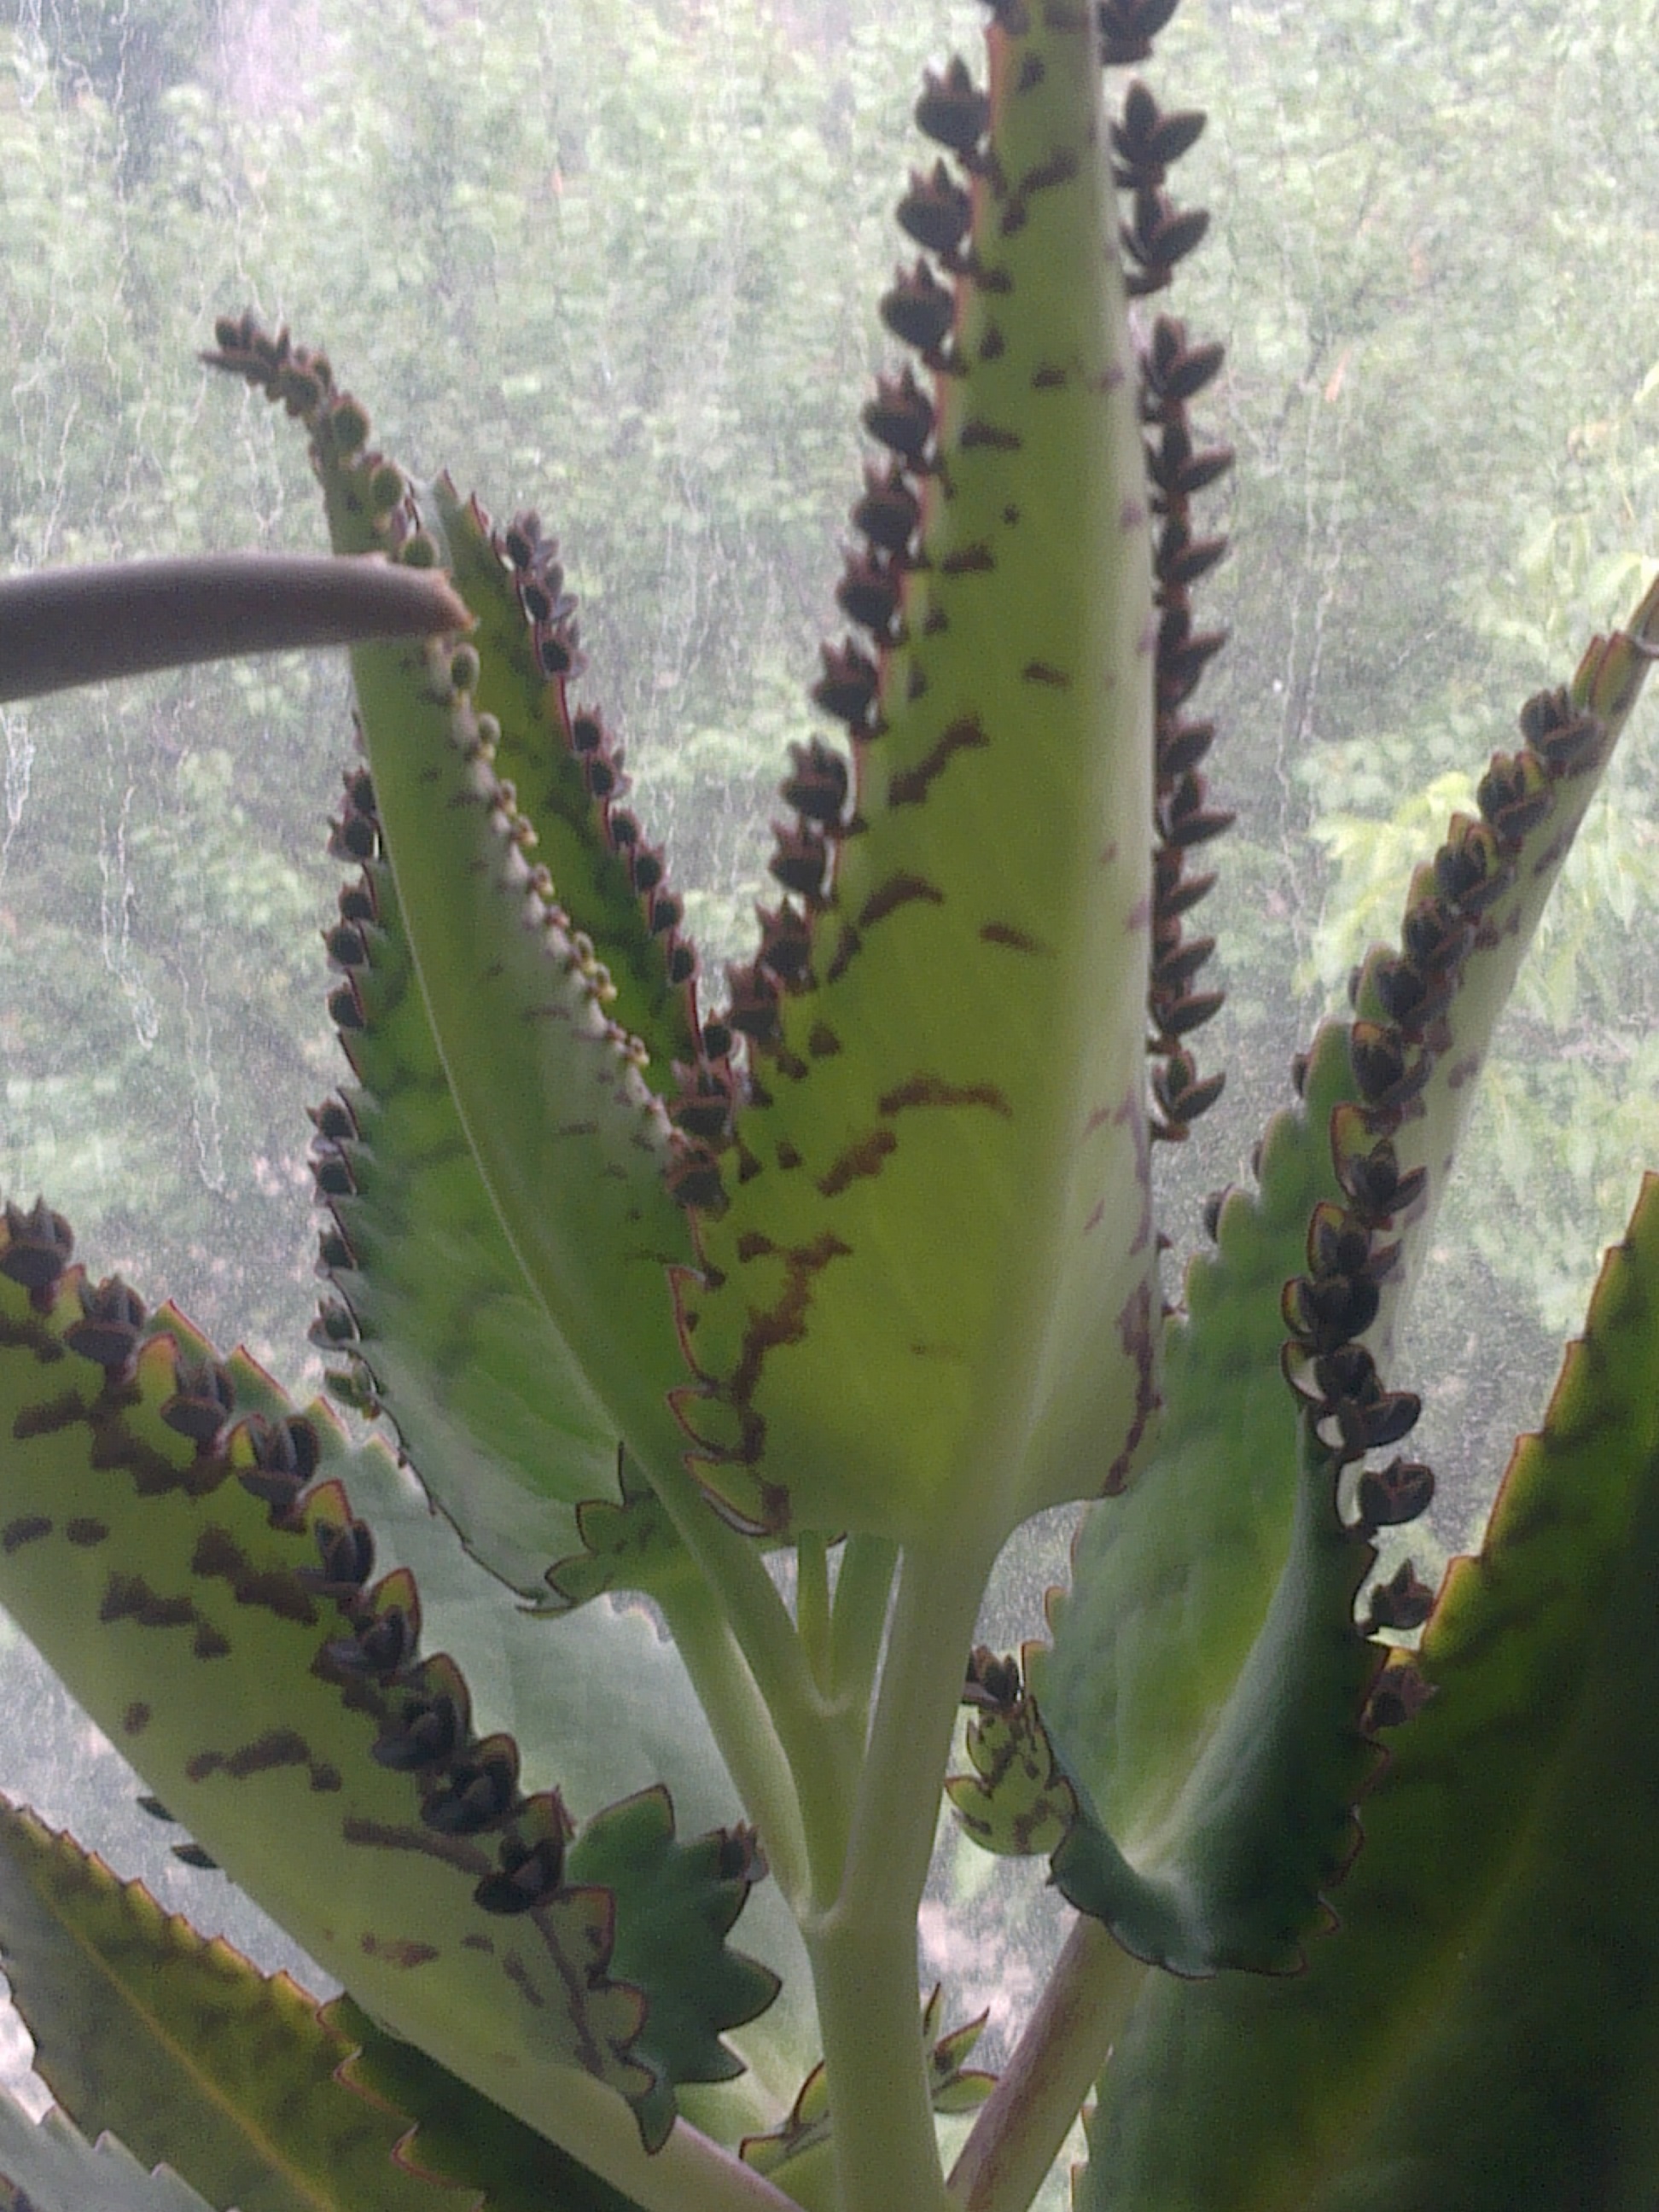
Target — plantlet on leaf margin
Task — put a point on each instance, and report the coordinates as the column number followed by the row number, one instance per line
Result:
column 863, row 1261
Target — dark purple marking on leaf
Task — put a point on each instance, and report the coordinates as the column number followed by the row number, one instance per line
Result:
column 909, row 787
column 1004, row 932
column 1049, row 376
column 972, row 560
column 924, row 1090
column 136, row 1719
column 1039, row 672
column 478, row 1944
column 398, row 1950
column 130, row 1597
column 898, row 890
column 46, row 1419
column 276, row 1747
column 977, row 433
column 519, row 1974
column 25, row 1530
column 786, row 1154
column 1060, row 168
column 848, row 944
column 278, row 1589
column 992, row 345
column 785, row 1322
column 823, row 1043
column 85, row 1531
column 1097, row 1216
column 462, row 1851
column 862, row 1159
column 151, row 1471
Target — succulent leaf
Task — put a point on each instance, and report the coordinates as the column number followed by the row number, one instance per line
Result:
column 115, row 1993
column 490, row 1407
column 935, row 1195
column 1170, row 1582
column 676, row 1904
column 213, row 1608
column 461, row 2137
column 567, row 773
column 1479, row 2032
column 798, row 2154
column 1237, row 1872
column 573, row 1142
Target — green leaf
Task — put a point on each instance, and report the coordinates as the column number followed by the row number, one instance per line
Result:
column 1263, row 1826
column 217, row 1620
column 676, row 1904
column 1479, row 2031
column 1533, row 805
column 1236, row 1873
column 461, row 2137
column 550, row 761
column 572, row 1141
column 60, row 2172
column 929, row 1298
column 1172, row 1582
column 797, row 2154
column 184, row 2051
column 630, row 1546
column 493, row 1411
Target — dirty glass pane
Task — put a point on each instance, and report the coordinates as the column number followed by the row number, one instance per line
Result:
column 618, row 260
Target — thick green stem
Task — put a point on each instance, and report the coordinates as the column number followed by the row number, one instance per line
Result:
column 742, row 1728
column 1066, row 2042
column 864, row 1977
column 862, row 1942
column 859, row 1617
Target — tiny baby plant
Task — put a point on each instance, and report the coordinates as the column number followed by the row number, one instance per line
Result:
column 763, row 1310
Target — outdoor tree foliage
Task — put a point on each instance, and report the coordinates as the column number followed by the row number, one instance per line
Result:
column 770, row 1310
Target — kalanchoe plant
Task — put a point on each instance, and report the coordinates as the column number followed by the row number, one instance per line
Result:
column 848, row 1268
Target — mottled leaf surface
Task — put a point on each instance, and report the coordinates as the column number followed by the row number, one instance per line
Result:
column 931, row 1289
column 570, row 1138
column 180, row 1612
column 591, row 876
column 461, row 2137
column 490, row 1407
column 1481, row 2031
column 1170, row 1582
column 182, row 2049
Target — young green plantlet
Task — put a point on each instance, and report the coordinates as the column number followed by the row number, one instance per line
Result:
column 851, row 1264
